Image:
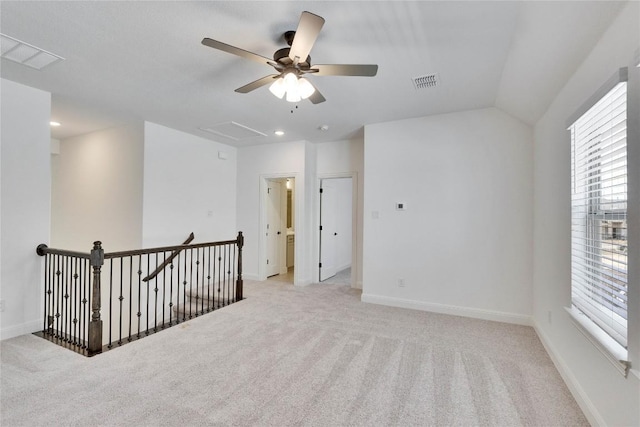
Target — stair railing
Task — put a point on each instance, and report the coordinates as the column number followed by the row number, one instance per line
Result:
column 168, row 260
column 144, row 291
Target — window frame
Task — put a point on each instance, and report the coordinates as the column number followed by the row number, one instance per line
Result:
column 596, row 334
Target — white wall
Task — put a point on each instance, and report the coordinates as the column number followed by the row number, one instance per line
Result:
column 463, row 245
column 604, row 394
column 187, row 188
column 25, row 206
column 346, row 158
column 97, row 190
column 255, row 163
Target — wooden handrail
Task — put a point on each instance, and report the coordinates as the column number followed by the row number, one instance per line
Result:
column 43, row 250
column 168, row 260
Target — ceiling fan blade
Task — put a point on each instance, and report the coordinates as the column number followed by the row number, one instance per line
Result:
column 258, row 83
column 316, row 97
column 308, row 29
column 236, row 51
column 362, row 70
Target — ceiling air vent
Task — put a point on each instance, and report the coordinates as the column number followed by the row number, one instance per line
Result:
column 26, row 54
column 426, row 81
column 233, row 130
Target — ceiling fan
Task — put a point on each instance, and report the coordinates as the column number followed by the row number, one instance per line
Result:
column 293, row 62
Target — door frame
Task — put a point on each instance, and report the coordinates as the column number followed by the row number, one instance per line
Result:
column 262, row 221
column 355, row 264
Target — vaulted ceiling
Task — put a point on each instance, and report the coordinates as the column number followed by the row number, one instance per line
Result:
column 143, row 60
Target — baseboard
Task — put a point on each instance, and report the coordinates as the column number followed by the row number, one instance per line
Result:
column 476, row 313
column 588, row 408
column 21, row 329
column 249, row 276
column 343, row 267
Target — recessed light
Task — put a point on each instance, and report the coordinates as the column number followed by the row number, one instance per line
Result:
column 279, row 132
column 54, row 124
column 324, row 128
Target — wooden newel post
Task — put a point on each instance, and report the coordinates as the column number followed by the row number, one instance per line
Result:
column 240, row 244
column 95, row 326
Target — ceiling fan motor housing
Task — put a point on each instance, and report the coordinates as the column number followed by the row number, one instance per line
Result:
column 281, row 56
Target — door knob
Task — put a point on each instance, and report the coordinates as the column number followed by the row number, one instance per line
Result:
column 335, row 234
column 279, row 233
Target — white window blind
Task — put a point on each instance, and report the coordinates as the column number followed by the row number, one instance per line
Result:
column 599, row 213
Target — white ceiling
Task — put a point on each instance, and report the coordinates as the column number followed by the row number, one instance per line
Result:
column 143, row 60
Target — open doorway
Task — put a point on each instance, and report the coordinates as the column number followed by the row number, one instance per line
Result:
column 279, row 229
column 336, row 230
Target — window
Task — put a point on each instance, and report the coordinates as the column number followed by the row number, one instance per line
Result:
column 599, row 261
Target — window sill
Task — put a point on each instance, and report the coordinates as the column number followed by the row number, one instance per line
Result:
column 613, row 351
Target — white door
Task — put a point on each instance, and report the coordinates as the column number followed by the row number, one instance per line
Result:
column 273, row 232
column 328, row 232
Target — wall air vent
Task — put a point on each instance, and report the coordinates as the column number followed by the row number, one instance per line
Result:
column 233, row 130
column 426, row 82
column 26, row 54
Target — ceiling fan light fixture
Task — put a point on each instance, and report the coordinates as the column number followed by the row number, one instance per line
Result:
column 293, row 96
column 305, row 89
column 294, row 87
column 290, row 81
column 278, row 88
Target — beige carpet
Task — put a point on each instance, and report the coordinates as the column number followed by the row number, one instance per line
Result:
column 312, row 356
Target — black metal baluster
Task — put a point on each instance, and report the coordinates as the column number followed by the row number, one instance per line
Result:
column 69, row 298
column 85, row 299
column 211, row 302
column 57, row 298
column 60, row 299
column 198, row 294
column 216, row 282
column 121, row 298
column 52, row 298
column 155, row 308
column 80, row 304
column 229, row 283
column 223, row 262
column 130, row 295
column 164, row 289
column 76, row 301
column 70, row 301
column 227, row 251
column 49, row 293
column 65, row 311
column 184, row 294
column 190, row 282
column 205, row 300
column 220, row 277
column 204, row 293
column 110, row 317
column 63, row 280
column 139, row 314
column 147, row 286
column 171, row 294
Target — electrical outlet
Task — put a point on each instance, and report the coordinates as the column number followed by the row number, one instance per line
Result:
column 401, row 283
